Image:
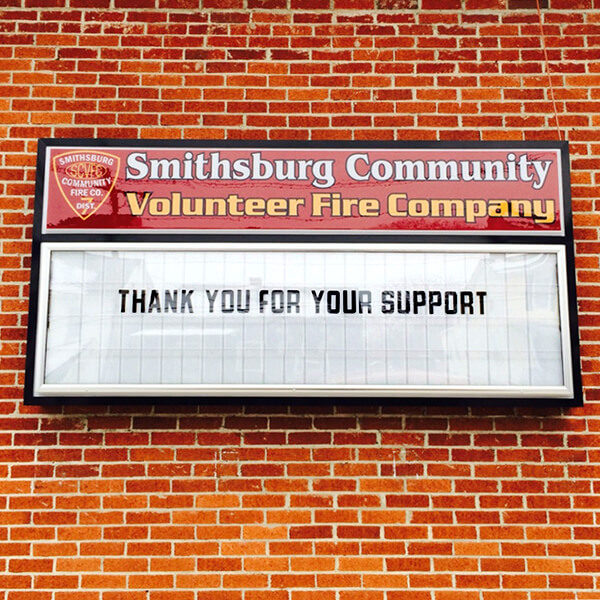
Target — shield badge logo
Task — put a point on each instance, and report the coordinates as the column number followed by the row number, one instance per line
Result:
column 86, row 179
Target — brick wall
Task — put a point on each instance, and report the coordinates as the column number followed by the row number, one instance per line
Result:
column 297, row 501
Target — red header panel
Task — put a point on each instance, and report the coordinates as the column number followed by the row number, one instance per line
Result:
column 394, row 190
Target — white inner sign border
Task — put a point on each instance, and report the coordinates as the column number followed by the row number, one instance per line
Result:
column 47, row 337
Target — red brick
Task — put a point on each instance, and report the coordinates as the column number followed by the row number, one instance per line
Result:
column 376, row 501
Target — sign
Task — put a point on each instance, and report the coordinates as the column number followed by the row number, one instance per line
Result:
column 379, row 190
column 429, row 272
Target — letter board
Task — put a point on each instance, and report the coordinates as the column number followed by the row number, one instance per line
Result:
column 428, row 271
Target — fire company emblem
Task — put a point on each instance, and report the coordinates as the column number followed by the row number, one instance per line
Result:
column 86, row 179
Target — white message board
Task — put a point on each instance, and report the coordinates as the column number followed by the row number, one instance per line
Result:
column 202, row 319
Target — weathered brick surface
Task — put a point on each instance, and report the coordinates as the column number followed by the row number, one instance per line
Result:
column 298, row 501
